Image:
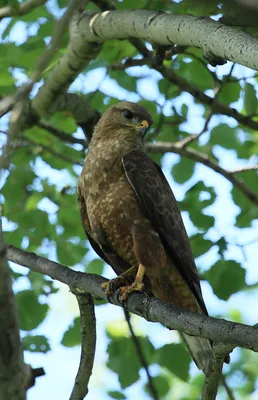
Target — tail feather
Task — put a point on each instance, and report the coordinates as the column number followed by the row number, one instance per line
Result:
column 200, row 350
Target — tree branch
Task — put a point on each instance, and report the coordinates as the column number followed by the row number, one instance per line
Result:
column 88, row 346
column 185, row 30
column 214, row 373
column 163, row 147
column 141, row 357
column 79, row 53
column 13, row 372
column 151, row 309
column 20, row 9
column 212, row 378
column 65, row 137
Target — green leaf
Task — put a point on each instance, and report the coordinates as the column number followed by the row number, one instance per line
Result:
column 194, row 204
column 175, row 358
column 229, row 93
column 95, row 267
column 200, row 245
column 225, row 136
column 248, row 211
column 64, row 121
column 183, row 170
column 72, row 336
column 115, row 394
column 69, row 253
column 31, row 312
column 123, row 358
column 37, row 343
column 226, row 277
column 222, row 244
column 6, row 79
column 161, row 384
column 250, row 99
column 195, row 73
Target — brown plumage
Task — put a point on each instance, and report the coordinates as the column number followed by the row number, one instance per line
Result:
column 132, row 219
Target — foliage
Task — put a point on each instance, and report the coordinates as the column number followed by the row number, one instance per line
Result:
column 39, row 195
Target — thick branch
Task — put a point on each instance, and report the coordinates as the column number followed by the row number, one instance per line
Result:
column 152, row 309
column 79, row 53
column 165, row 29
column 163, row 147
column 88, row 346
column 13, row 379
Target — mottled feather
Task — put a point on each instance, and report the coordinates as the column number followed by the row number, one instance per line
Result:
column 131, row 217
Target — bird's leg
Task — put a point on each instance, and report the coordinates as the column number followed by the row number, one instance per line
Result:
column 122, row 280
column 136, row 286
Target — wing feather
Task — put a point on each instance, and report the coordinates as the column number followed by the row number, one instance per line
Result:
column 159, row 205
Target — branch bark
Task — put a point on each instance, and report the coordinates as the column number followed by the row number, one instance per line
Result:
column 88, row 346
column 152, row 309
column 13, row 379
column 79, row 53
column 165, row 29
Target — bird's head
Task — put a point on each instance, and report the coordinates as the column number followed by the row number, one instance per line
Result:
column 125, row 117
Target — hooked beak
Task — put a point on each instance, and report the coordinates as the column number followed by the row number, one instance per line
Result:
column 143, row 128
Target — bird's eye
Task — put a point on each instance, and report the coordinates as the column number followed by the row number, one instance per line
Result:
column 128, row 114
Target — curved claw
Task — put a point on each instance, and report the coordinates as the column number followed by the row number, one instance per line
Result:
column 114, row 284
column 135, row 287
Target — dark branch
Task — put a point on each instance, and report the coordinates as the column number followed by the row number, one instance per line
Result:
column 141, row 357
column 65, row 137
column 152, row 309
column 13, row 373
column 88, row 346
column 163, row 147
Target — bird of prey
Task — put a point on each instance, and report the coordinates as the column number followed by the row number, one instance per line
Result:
column 132, row 219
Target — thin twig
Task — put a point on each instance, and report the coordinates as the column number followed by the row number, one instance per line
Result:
column 65, row 137
column 54, row 152
column 88, row 346
column 191, row 138
column 164, row 147
column 216, row 106
column 141, row 357
column 227, row 388
column 20, row 9
column 244, row 169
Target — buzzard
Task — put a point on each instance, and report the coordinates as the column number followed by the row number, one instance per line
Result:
column 132, row 219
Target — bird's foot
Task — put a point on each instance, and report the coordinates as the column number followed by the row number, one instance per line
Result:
column 114, row 284
column 135, row 287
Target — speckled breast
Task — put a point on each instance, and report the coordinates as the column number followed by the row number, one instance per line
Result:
column 113, row 212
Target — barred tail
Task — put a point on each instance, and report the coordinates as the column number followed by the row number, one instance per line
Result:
column 200, row 350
